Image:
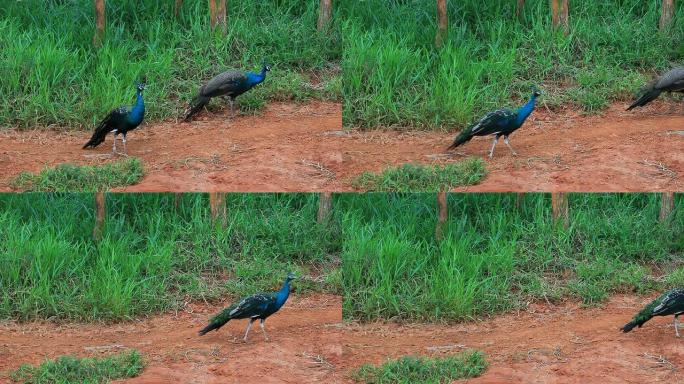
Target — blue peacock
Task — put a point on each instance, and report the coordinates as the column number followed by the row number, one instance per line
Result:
column 259, row 306
column 670, row 303
column 501, row 122
column 230, row 84
column 120, row 121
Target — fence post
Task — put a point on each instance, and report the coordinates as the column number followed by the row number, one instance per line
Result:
column 442, row 22
column 324, row 14
column 666, row 14
column 442, row 215
column 666, row 206
column 217, row 206
column 99, row 22
column 177, row 8
column 560, row 209
column 519, row 8
column 559, row 14
column 217, row 15
column 324, row 207
column 99, row 215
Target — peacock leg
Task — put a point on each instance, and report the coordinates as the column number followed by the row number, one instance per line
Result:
column 124, row 143
column 509, row 146
column 264, row 329
column 232, row 107
column 676, row 324
column 491, row 152
column 114, row 147
column 249, row 326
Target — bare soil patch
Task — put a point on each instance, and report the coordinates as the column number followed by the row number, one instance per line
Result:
column 302, row 147
column 545, row 344
column 304, row 347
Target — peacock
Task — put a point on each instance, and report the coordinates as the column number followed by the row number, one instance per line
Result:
column 672, row 81
column 121, row 120
column 229, row 83
column 501, row 122
column 259, row 306
column 669, row 303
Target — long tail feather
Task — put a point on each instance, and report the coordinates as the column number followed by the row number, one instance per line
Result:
column 100, row 133
column 462, row 138
column 212, row 326
column 195, row 106
column 645, row 98
column 629, row 326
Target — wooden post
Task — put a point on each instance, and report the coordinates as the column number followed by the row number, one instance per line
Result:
column 217, row 15
column 217, row 206
column 559, row 204
column 519, row 8
column 442, row 22
column 177, row 8
column 666, row 206
column 324, row 14
column 666, row 14
column 177, row 200
column 99, row 22
column 324, row 207
column 442, row 214
column 519, row 199
column 99, row 215
column 559, row 18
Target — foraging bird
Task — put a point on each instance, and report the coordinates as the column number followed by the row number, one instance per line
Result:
column 672, row 81
column 121, row 120
column 259, row 306
column 231, row 84
column 669, row 303
column 501, row 122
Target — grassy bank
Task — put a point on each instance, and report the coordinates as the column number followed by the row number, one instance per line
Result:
column 152, row 256
column 393, row 75
column 495, row 256
column 53, row 75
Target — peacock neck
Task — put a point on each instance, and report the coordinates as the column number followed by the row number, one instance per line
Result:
column 526, row 110
column 283, row 294
column 256, row 78
column 138, row 111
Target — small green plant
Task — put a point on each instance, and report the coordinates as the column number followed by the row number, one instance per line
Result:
column 91, row 370
column 418, row 177
column 424, row 370
column 69, row 177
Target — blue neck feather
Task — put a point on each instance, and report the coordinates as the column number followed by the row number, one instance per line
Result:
column 256, row 78
column 283, row 294
column 526, row 110
column 135, row 116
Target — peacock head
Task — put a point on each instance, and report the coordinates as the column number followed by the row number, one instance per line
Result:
column 536, row 92
column 290, row 276
column 266, row 66
column 141, row 86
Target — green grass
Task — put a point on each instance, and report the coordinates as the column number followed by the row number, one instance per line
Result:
column 153, row 257
column 424, row 370
column 417, row 177
column 69, row 369
column 496, row 257
column 53, row 75
column 69, row 177
column 394, row 76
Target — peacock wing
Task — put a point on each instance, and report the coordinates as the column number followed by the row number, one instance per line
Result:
column 493, row 122
column 672, row 81
column 251, row 306
column 224, row 83
column 670, row 303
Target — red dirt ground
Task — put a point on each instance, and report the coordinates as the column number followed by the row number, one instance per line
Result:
column 544, row 344
column 302, row 147
column 304, row 346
